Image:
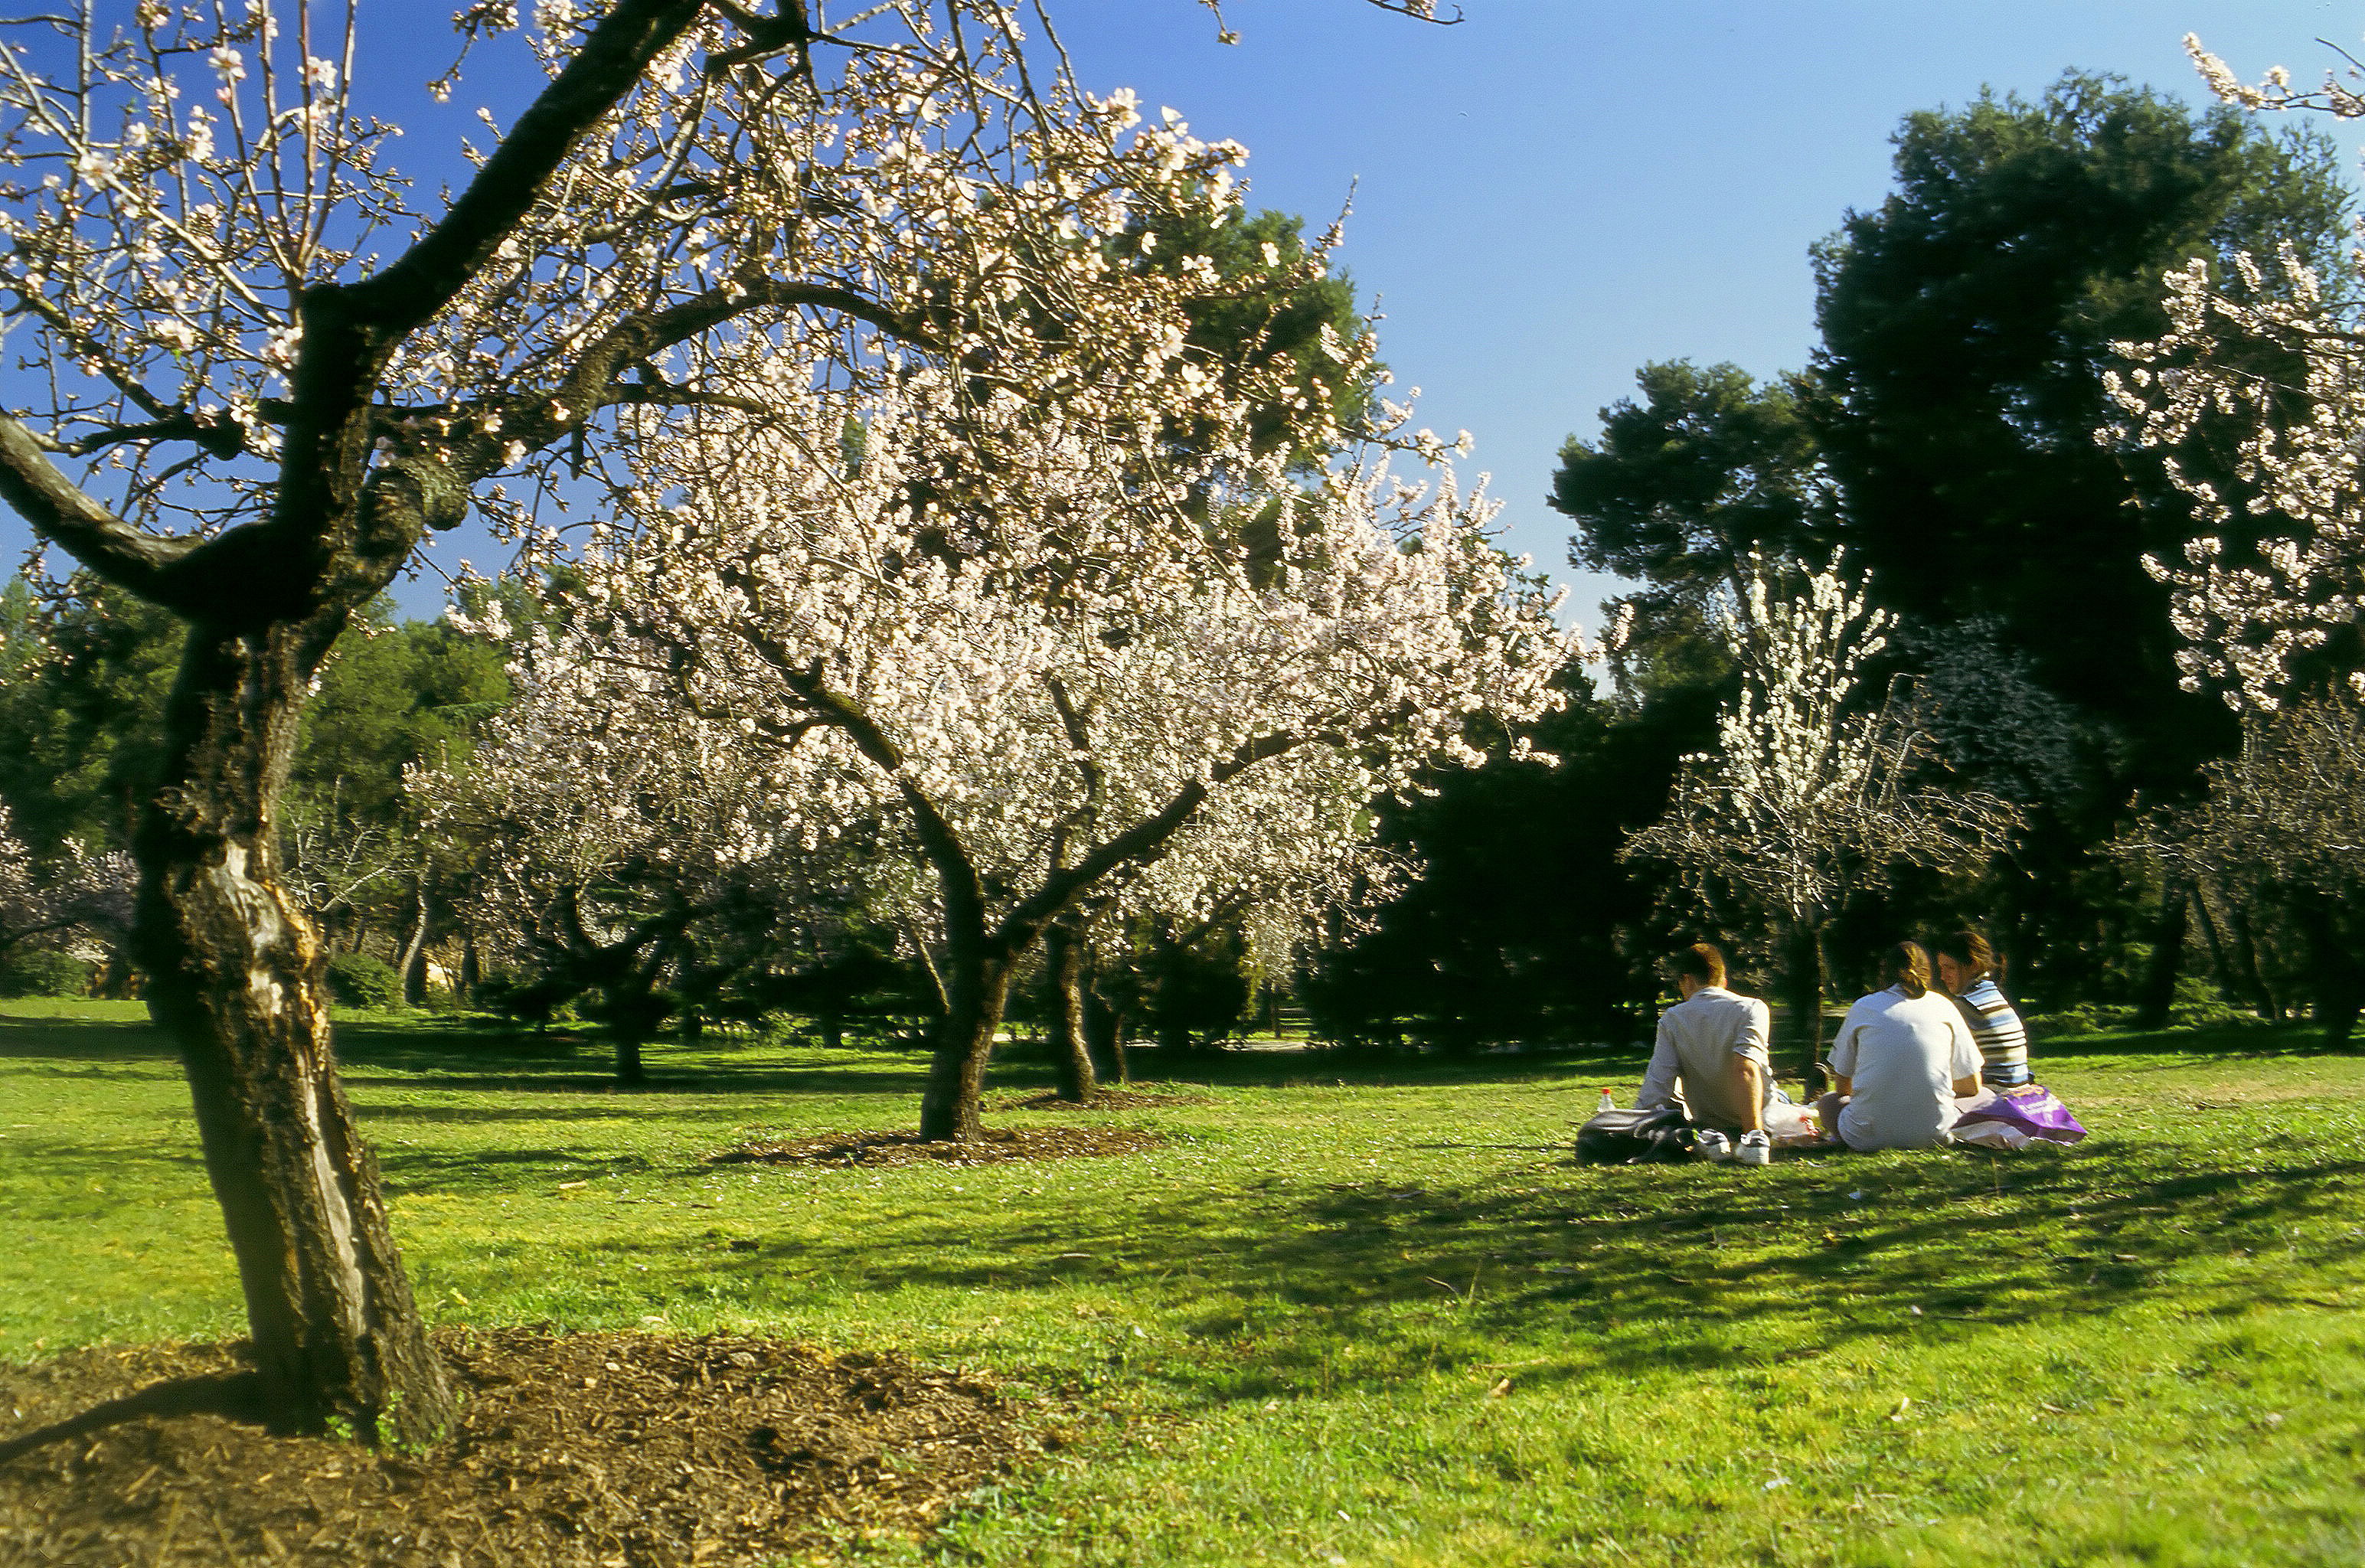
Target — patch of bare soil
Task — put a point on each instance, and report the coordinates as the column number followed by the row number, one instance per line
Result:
column 1000, row 1145
column 1105, row 1100
column 583, row 1451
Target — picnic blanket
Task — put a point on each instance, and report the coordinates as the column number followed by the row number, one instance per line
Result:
column 2015, row 1118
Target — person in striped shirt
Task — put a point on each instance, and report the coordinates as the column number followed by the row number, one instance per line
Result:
column 1966, row 971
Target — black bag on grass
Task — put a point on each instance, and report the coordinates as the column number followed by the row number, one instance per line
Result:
column 1634, row 1138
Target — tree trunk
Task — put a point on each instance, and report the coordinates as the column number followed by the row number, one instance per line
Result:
column 1802, row 1000
column 2245, row 952
column 236, row 975
column 2221, row 968
column 2336, row 974
column 414, row 955
column 629, row 1072
column 472, row 972
column 1105, row 1032
column 1070, row 1051
column 975, row 991
column 2157, row 997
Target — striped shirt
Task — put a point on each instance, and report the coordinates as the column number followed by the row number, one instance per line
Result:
column 2003, row 1038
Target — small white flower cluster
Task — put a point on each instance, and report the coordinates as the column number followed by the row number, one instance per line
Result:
column 2278, row 376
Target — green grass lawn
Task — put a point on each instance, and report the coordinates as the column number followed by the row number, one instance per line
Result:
column 1283, row 1333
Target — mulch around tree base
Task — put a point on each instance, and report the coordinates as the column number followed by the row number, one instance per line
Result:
column 1105, row 1100
column 604, row 1451
column 1000, row 1145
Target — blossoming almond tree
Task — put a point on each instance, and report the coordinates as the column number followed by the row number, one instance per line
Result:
column 2273, row 592
column 2271, row 599
column 73, row 894
column 1808, row 795
column 602, row 864
column 256, row 366
column 1039, row 634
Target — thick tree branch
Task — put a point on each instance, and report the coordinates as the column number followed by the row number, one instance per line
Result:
column 435, row 270
column 57, row 509
column 1140, row 842
column 1079, row 751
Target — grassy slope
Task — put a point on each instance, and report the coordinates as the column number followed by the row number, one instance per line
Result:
column 1288, row 1323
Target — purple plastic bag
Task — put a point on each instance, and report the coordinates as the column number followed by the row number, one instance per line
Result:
column 2034, row 1110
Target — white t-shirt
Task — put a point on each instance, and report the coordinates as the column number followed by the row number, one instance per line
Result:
column 1902, row 1055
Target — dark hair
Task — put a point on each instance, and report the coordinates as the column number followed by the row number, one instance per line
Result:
column 1704, row 961
column 1973, row 952
column 1907, row 968
column 1969, row 950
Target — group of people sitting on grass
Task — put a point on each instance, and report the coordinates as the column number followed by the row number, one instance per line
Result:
column 1913, row 1063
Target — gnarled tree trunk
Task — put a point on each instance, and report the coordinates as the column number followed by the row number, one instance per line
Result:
column 1071, row 1055
column 2245, row 952
column 1105, row 1029
column 976, row 989
column 235, row 973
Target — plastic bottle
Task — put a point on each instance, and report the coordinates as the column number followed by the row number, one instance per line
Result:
column 1609, row 1102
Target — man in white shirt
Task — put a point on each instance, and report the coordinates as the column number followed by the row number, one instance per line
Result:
column 1714, row 1045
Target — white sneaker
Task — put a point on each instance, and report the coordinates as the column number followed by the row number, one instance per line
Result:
column 1712, row 1144
column 1755, row 1148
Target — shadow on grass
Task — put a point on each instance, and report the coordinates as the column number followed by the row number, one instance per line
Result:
column 410, row 1171
column 1683, row 1270
column 83, row 1039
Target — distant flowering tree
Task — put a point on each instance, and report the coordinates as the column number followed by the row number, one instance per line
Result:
column 1815, row 790
column 263, row 366
column 1063, row 654
column 605, row 867
column 74, row 894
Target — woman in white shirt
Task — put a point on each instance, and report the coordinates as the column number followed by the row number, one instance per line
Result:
column 1902, row 1056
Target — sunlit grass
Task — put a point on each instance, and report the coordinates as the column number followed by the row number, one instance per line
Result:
column 1282, row 1334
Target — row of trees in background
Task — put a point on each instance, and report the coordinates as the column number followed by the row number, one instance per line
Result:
column 1945, row 438
column 2092, row 468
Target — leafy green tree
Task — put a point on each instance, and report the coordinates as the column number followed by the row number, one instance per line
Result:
column 1524, row 926
column 1967, row 323
column 81, row 693
column 396, row 697
column 1284, row 302
column 1707, row 466
column 1945, row 434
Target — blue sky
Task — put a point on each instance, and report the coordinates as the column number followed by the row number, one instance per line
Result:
column 1556, row 191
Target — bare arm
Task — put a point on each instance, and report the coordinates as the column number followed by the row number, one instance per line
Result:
column 1755, row 1042
column 1753, row 1092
